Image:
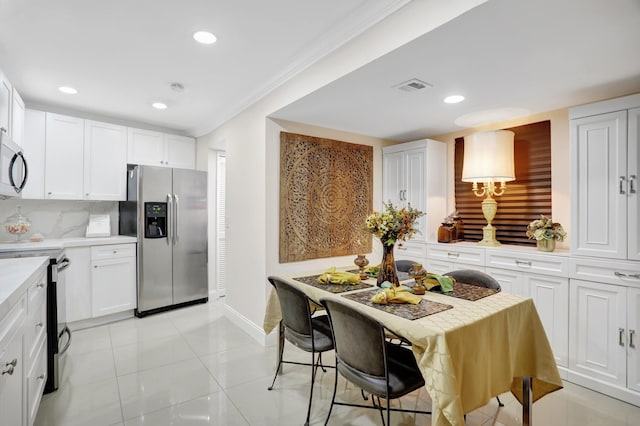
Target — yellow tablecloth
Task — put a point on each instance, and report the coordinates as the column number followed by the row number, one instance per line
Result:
column 468, row 354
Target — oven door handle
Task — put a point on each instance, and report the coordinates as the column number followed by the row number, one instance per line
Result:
column 64, row 264
column 66, row 331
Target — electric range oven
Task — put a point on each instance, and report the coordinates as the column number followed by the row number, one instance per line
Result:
column 58, row 334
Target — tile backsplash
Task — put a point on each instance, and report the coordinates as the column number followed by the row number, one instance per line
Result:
column 57, row 218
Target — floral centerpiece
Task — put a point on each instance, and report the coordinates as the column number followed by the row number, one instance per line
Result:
column 546, row 232
column 389, row 226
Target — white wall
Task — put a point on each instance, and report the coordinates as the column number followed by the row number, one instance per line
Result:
column 252, row 193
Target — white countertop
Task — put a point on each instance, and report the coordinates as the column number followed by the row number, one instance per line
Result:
column 15, row 276
column 66, row 242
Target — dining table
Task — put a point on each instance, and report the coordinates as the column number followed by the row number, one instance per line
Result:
column 470, row 345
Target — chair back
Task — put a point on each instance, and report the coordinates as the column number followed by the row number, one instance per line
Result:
column 404, row 265
column 359, row 339
column 477, row 278
column 294, row 305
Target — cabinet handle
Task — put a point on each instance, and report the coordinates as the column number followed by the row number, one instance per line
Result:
column 39, row 324
column 3, row 130
column 632, row 189
column 456, row 255
column 631, row 344
column 115, row 251
column 8, row 370
column 620, row 336
column 41, row 377
column 623, row 275
column 523, row 263
column 401, row 248
column 40, row 285
column 95, row 266
column 621, row 180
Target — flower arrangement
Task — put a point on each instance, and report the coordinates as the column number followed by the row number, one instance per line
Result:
column 393, row 224
column 545, row 229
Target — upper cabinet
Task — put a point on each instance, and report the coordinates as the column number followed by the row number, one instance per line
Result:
column 160, row 149
column 64, row 156
column 605, row 161
column 11, row 111
column 105, row 161
column 414, row 173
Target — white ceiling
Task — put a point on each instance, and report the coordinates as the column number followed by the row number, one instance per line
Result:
column 122, row 55
column 534, row 55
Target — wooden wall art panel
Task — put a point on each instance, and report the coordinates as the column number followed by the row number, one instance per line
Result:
column 326, row 193
column 526, row 198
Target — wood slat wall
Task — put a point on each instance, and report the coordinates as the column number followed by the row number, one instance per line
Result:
column 525, row 199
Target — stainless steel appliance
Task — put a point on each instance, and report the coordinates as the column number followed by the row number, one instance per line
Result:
column 13, row 168
column 166, row 209
column 58, row 334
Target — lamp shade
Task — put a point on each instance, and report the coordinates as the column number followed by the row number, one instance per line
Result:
column 488, row 156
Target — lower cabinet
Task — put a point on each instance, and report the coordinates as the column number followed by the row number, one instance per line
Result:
column 12, row 369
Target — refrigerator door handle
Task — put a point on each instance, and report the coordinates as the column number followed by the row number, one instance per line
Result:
column 169, row 218
column 176, row 207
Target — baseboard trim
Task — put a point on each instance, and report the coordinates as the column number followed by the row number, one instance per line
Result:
column 253, row 330
column 95, row 322
column 623, row 394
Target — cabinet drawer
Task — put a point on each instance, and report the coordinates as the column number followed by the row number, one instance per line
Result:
column 618, row 272
column 12, row 322
column 529, row 262
column 35, row 382
column 412, row 251
column 113, row 251
column 457, row 254
column 37, row 294
column 35, row 330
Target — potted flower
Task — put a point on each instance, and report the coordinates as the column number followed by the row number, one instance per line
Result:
column 546, row 232
column 390, row 226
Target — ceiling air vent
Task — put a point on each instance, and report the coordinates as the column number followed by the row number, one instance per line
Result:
column 412, row 85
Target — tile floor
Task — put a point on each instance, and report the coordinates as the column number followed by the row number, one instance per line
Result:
column 194, row 367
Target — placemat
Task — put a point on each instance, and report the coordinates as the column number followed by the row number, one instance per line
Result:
column 402, row 276
column 469, row 292
column 332, row 288
column 404, row 310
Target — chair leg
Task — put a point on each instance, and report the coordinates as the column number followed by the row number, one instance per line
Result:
column 314, row 366
column 281, row 350
column 388, row 411
column 363, row 395
column 500, row 404
column 333, row 398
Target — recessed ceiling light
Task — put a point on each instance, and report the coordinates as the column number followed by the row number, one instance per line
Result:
column 67, row 90
column 454, row 99
column 204, row 37
column 159, row 105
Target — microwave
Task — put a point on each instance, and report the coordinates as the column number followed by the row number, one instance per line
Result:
column 13, row 169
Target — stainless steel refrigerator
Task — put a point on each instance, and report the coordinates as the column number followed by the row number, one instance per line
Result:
column 166, row 209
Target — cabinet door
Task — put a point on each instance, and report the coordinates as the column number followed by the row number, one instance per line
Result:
column 146, row 147
column 633, row 170
column 510, row 281
column 105, row 161
column 5, row 107
column 12, row 382
column 34, row 151
column 597, row 319
column 416, row 191
column 78, row 281
column 17, row 117
column 113, row 283
column 599, row 196
column 633, row 351
column 64, row 157
column 551, row 297
column 393, row 178
column 181, row 151
column 438, row 266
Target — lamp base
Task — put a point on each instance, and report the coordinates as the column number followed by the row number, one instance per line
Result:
column 489, row 237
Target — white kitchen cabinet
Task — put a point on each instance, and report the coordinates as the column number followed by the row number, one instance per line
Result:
column 510, row 281
column 34, row 149
column 633, row 347
column 78, row 281
column 35, row 345
column 64, row 157
column 12, row 366
column 5, row 106
column 443, row 258
column 604, row 187
column 105, row 161
column 113, row 279
column 17, row 117
column 159, row 149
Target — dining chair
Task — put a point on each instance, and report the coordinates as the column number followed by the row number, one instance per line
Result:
column 311, row 334
column 479, row 279
column 366, row 359
column 404, row 265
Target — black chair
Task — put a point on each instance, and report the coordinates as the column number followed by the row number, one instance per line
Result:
column 366, row 359
column 479, row 279
column 404, row 265
column 311, row 334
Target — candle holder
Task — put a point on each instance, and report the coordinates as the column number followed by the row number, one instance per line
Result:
column 361, row 262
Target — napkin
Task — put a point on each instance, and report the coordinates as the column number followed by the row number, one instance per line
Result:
column 372, row 271
column 433, row 280
column 395, row 295
column 330, row 276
